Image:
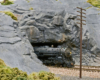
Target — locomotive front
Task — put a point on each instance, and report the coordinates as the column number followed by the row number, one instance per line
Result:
column 67, row 57
column 55, row 56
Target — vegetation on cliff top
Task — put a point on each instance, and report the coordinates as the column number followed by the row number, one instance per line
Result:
column 95, row 3
column 7, row 73
column 6, row 2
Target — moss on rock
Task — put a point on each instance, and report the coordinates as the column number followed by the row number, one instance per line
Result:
column 95, row 3
column 7, row 2
column 11, row 15
column 28, row 1
column 31, row 8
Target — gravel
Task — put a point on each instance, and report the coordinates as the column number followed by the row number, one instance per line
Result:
column 76, row 78
column 67, row 74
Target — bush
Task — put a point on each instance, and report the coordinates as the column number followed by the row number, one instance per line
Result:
column 7, row 73
column 2, row 63
column 7, row 2
column 43, row 75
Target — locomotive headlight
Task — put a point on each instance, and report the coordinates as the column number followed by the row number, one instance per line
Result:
column 72, row 63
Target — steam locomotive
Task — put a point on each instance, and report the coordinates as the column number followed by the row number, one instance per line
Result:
column 55, row 56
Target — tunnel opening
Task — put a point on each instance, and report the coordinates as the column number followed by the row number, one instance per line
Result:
column 55, row 45
column 52, row 54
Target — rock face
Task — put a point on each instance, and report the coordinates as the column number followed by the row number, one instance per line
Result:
column 59, row 29
column 15, row 48
column 47, row 24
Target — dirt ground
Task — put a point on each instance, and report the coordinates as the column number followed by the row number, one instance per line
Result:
column 67, row 74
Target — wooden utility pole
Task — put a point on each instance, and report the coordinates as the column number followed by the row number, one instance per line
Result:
column 81, row 23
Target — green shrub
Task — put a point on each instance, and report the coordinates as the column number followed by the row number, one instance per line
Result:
column 7, row 73
column 43, row 75
column 7, row 2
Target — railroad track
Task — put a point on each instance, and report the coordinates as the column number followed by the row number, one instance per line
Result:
column 87, row 68
column 84, row 68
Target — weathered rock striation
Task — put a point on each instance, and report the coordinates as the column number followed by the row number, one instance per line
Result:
column 16, row 50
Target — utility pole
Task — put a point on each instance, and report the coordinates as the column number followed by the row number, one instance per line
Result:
column 81, row 23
